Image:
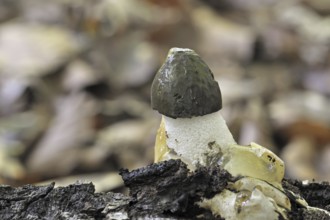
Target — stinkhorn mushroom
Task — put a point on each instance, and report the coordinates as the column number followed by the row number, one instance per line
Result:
column 192, row 129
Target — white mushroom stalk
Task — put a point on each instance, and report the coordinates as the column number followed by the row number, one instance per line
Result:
column 203, row 145
column 192, row 129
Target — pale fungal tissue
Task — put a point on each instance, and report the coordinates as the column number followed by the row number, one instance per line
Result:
column 206, row 136
column 192, row 129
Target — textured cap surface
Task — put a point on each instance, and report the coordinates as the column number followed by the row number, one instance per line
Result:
column 184, row 86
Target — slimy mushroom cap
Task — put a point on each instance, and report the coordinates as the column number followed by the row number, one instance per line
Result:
column 184, row 86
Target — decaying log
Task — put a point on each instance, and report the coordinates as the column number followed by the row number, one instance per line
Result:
column 165, row 190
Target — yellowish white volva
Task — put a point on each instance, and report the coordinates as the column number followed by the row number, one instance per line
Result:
column 192, row 129
column 206, row 140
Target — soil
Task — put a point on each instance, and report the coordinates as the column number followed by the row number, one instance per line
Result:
column 315, row 194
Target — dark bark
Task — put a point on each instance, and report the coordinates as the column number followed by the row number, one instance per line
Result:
column 162, row 190
column 169, row 188
column 76, row 201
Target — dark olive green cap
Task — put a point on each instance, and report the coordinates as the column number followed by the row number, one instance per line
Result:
column 184, row 86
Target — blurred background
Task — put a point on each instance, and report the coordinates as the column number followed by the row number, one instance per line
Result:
column 75, row 80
